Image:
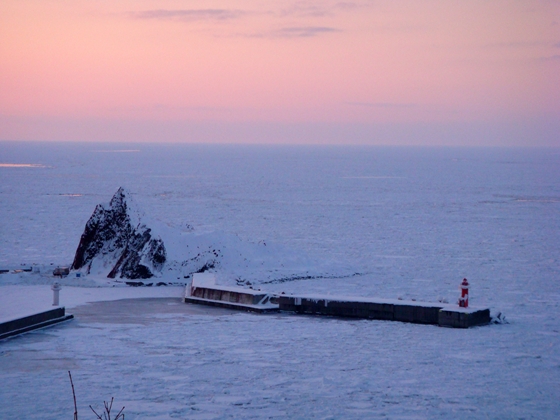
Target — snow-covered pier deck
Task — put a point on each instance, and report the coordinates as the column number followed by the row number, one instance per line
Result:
column 203, row 290
column 444, row 315
column 12, row 327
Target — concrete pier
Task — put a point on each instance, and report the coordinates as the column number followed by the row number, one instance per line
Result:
column 463, row 317
column 204, row 291
column 444, row 315
column 33, row 322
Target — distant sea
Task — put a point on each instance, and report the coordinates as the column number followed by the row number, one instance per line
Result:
column 408, row 216
column 413, row 221
column 417, row 212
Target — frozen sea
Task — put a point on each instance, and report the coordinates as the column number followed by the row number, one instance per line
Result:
column 412, row 221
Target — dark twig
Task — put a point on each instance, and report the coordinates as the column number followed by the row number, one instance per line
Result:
column 108, row 406
column 74, row 395
column 107, row 413
column 95, row 412
column 120, row 414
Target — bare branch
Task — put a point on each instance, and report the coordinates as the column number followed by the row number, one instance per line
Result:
column 74, row 395
column 120, row 414
column 108, row 406
column 95, row 412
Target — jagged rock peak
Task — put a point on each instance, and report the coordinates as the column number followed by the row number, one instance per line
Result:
column 122, row 202
column 116, row 243
column 119, row 198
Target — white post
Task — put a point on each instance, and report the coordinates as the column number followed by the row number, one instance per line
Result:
column 56, row 290
column 188, row 290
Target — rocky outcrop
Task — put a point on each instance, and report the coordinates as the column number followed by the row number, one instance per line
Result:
column 116, row 241
column 119, row 242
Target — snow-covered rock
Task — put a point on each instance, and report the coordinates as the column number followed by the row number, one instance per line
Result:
column 119, row 241
column 115, row 240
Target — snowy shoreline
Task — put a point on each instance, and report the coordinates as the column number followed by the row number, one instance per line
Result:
column 18, row 300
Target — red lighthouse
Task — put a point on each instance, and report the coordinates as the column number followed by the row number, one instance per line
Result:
column 464, row 299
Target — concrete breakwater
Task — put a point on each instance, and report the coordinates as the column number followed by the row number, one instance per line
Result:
column 444, row 315
column 32, row 322
column 204, row 290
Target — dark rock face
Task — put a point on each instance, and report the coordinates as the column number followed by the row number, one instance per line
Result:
column 115, row 237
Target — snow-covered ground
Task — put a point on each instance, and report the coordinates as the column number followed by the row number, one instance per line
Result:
column 412, row 222
column 20, row 301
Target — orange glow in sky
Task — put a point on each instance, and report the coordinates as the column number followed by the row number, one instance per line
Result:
column 473, row 72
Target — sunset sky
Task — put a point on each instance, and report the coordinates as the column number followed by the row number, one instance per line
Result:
column 402, row 72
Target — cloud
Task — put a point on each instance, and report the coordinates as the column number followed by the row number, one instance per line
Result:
column 555, row 57
column 317, row 8
column 167, row 108
column 305, row 9
column 517, row 44
column 293, row 32
column 382, row 104
column 347, row 5
column 189, row 14
column 302, row 31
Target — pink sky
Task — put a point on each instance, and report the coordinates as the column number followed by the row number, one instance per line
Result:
column 451, row 72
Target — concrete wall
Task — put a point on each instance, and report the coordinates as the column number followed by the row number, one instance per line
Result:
column 228, row 296
column 418, row 314
column 28, row 323
column 455, row 319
